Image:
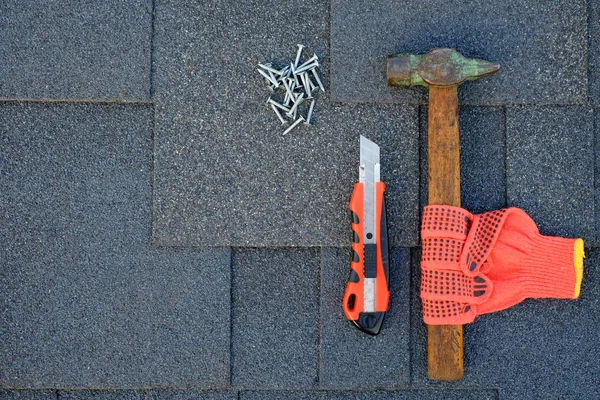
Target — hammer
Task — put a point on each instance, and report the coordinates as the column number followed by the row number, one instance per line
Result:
column 442, row 70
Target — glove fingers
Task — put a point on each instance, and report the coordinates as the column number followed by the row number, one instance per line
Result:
column 454, row 286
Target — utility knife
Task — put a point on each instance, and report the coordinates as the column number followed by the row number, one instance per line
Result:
column 368, row 289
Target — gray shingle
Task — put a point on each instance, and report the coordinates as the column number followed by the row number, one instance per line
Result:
column 101, row 395
column 225, row 175
column 27, row 394
column 86, row 301
column 482, row 158
column 351, row 358
column 411, row 394
column 550, row 168
column 597, row 175
column 539, row 349
column 541, row 47
column 191, row 395
column 275, row 318
column 594, row 52
column 90, row 50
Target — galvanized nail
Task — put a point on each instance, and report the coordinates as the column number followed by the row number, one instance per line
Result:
column 306, row 68
column 294, row 73
column 268, row 68
column 310, row 60
column 294, row 124
column 300, row 47
column 306, row 81
column 276, row 104
column 278, row 114
column 298, row 101
column 318, row 80
column 267, row 77
column 310, row 111
column 287, row 88
column 276, row 84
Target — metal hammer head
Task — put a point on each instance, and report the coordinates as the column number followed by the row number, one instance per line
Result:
column 438, row 67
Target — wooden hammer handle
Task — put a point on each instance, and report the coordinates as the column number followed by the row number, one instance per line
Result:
column 445, row 342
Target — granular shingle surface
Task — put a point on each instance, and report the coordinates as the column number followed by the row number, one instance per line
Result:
column 101, row 395
column 346, row 350
column 160, row 239
column 482, row 158
column 75, row 50
column 365, row 395
column 541, row 47
column 225, row 175
column 275, row 318
column 539, row 349
column 28, row 394
column 86, row 301
column 191, row 395
column 550, row 168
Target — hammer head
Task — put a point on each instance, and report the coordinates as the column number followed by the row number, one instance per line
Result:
column 438, row 67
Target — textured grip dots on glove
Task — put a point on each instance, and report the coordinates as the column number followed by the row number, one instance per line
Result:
column 477, row 264
column 441, row 284
column 446, row 310
column 453, row 221
column 484, row 236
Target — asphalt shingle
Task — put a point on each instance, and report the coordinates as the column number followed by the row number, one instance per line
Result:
column 75, row 50
column 482, row 158
column 550, row 168
column 191, row 395
column 539, row 349
column 366, row 395
column 594, row 52
column 27, row 394
column 101, row 395
column 597, row 173
column 275, row 295
column 351, row 358
column 541, row 47
column 225, row 175
column 85, row 300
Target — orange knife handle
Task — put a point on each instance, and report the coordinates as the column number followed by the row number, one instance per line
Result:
column 353, row 302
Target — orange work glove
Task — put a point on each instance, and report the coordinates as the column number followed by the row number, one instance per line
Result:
column 478, row 264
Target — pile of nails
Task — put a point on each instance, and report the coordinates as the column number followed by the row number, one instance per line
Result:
column 295, row 84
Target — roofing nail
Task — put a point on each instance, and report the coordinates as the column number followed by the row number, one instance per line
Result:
column 276, row 104
column 287, row 87
column 318, row 80
column 294, row 73
column 306, row 67
column 312, row 85
column 306, row 81
column 267, row 77
column 300, row 47
column 313, row 58
column 278, row 114
column 268, row 68
column 276, row 84
column 294, row 124
column 284, row 71
column 310, row 111
column 295, row 106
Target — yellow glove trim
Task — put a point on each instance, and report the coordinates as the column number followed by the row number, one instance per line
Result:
column 578, row 255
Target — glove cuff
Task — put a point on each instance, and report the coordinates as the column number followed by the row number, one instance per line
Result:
column 555, row 268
